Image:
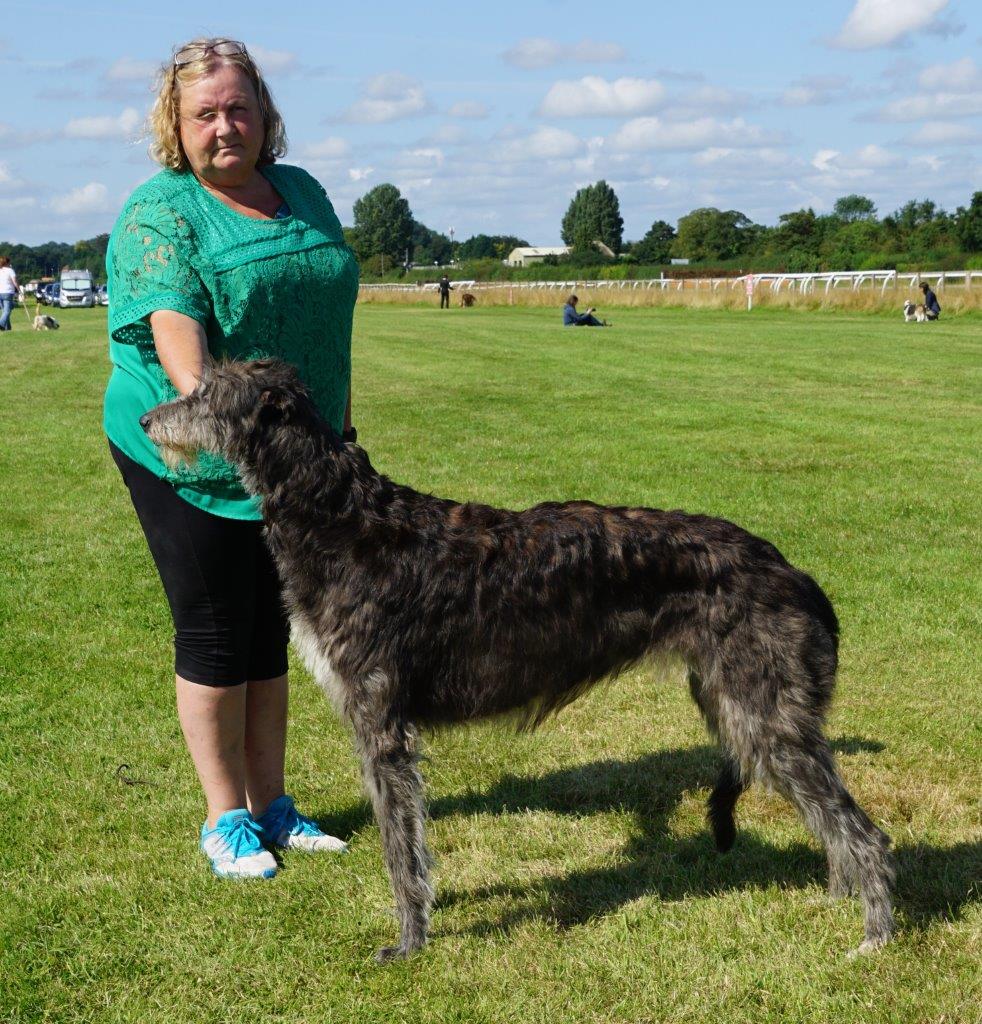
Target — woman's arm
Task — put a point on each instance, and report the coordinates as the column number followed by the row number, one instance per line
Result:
column 182, row 347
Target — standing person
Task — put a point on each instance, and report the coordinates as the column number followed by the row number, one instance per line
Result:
column 224, row 253
column 573, row 319
column 445, row 288
column 8, row 292
column 932, row 308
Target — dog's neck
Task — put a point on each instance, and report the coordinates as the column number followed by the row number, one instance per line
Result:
column 303, row 458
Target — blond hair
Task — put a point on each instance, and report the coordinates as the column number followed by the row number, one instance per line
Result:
column 163, row 122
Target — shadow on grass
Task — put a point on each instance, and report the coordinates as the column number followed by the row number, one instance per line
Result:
column 934, row 882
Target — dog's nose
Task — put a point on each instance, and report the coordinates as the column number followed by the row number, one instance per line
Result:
column 145, row 420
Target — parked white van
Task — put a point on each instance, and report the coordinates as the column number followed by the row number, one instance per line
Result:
column 76, row 289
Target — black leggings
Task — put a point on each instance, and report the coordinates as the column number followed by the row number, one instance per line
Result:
column 220, row 581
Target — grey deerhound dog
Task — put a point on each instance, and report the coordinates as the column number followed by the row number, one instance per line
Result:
column 415, row 611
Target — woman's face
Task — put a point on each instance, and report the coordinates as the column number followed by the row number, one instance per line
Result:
column 221, row 126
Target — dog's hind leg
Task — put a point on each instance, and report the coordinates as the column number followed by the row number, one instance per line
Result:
column 729, row 786
column 395, row 786
column 722, row 802
column 804, row 770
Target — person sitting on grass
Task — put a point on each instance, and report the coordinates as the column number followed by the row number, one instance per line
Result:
column 932, row 308
column 573, row 319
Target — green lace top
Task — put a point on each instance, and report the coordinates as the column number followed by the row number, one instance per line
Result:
column 284, row 287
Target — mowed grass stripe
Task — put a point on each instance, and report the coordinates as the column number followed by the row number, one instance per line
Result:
column 576, row 880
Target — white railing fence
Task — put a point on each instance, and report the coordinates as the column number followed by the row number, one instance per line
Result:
column 802, row 283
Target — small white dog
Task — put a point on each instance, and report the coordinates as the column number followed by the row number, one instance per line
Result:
column 43, row 322
column 914, row 312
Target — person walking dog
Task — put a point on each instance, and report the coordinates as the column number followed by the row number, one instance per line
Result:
column 445, row 288
column 8, row 292
column 225, row 253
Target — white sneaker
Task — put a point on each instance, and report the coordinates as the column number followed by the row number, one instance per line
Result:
column 234, row 847
column 284, row 826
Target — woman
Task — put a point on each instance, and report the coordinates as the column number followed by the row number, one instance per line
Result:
column 8, row 292
column 932, row 308
column 573, row 319
column 224, row 253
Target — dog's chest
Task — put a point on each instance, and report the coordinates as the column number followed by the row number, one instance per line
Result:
column 315, row 651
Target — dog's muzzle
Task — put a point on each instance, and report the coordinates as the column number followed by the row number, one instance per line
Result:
column 145, row 421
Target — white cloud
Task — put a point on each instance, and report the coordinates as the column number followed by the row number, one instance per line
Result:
column 128, row 69
column 726, row 158
column 469, row 110
column 447, row 135
column 706, row 99
column 388, row 97
column 91, row 198
column 543, row 144
column 648, row 133
column 874, row 23
column 533, row 54
column 944, row 133
column 875, row 157
column 423, row 156
column 815, row 89
column 868, row 162
column 938, row 105
column 596, row 97
column 104, row 127
column 274, row 61
column 331, row 148
column 7, row 179
column 359, row 173
column 961, row 76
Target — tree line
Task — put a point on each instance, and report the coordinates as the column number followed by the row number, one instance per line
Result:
column 386, row 236
column 851, row 237
column 47, row 260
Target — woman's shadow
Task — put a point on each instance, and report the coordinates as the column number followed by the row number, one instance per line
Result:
column 934, row 882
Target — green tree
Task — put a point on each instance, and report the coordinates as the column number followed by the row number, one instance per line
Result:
column 430, row 246
column 711, row 234
column 488, row 247
column 853, row 207
column 968, row 224
column 656, row 245
column 594, row 215
column 796, row 231
column 383, row 223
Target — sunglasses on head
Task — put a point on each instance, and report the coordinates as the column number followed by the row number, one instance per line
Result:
column 219, row 47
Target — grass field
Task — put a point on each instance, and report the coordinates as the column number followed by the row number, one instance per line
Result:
column 576, row 880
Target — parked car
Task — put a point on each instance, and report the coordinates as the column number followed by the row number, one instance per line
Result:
column 101, row 295
column 76, row 289
column 50, row 294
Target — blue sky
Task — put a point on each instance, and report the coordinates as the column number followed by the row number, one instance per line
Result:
column 488, row 117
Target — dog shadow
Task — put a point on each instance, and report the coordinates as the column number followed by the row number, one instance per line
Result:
column 934, row 882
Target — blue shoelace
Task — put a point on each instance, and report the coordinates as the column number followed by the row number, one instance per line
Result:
column 244, row 837
column 293, row 822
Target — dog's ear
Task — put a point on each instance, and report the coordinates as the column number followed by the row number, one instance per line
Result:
column 276, row 402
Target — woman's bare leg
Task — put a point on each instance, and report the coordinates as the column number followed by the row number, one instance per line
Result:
column 265, row 741
column 213, row 719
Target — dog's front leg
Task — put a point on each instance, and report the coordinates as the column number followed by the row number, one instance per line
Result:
column 395, row 786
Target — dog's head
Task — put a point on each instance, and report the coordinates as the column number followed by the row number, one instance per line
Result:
column 231, row 412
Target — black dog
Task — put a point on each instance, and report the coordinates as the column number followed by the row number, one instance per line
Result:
column 412, row 610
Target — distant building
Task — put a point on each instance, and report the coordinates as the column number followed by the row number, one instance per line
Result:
column 526, row 255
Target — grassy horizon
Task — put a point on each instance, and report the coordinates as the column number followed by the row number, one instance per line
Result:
column 575, row 877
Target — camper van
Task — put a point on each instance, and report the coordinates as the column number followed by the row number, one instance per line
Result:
column 76, row 289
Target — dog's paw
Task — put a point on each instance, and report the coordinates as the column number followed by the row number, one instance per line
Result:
column 868, row 946
column 388, row 954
